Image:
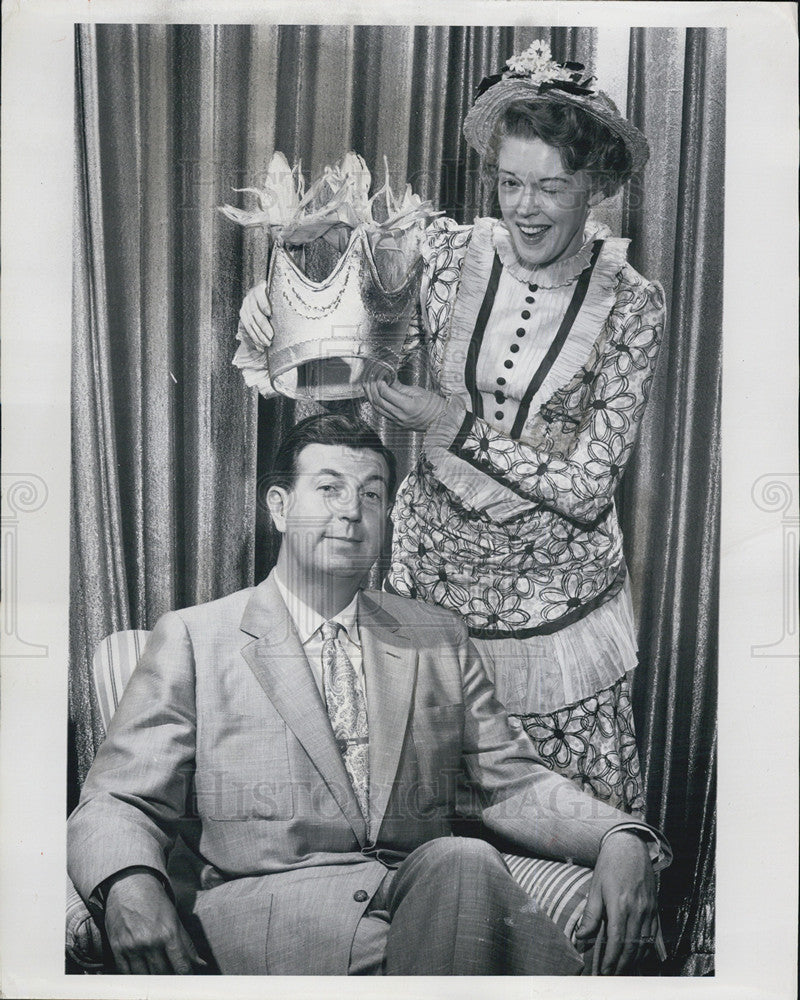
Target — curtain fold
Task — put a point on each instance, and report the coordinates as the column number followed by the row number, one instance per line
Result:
column 164, row 446
column 670, row 498
column 98, row 581
column 170, row 449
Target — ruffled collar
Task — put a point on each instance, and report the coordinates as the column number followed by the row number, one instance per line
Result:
column 560, row 272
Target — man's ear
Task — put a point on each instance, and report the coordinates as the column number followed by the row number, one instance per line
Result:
column 277, row 502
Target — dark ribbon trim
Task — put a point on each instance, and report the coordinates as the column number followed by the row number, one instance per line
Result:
column 486, row 468
column 466, row 426
column 551, row 627
column 569, row 619
column 474, row 349
column 486, row 82
column 575, row 86
column 558, row 342
column 567, row 86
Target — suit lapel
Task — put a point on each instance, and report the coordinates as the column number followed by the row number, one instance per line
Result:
column 390, row 667
column 279, row 663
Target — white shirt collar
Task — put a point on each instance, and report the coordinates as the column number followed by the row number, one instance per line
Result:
column 307, row 621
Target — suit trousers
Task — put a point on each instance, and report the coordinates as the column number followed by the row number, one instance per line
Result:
column 453, row 909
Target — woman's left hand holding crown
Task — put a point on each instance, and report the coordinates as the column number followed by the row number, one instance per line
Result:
column 409, row 406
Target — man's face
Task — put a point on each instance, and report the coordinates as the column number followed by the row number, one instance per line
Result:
column 334, row 517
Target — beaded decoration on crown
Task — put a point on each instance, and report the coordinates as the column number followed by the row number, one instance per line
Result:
column 342, row 280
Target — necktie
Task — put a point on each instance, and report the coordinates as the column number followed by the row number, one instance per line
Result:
column 347, row 710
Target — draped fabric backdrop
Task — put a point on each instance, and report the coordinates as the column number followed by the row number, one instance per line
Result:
column 169, row 445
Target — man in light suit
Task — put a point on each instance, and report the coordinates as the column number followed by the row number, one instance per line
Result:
column 313, row 744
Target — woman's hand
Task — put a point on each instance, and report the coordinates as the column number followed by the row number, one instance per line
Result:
column 410, row 406
column 254, row 317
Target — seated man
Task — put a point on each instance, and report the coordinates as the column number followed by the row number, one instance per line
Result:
column 313, row 744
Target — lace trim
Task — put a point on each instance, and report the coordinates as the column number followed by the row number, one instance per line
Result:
column 545, row 673
column 560, row 272
column 589, row 325
column 589, row 329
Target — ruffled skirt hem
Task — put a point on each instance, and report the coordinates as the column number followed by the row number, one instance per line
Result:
column 545, row 673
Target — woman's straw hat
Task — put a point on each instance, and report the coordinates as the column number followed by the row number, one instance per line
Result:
column 534, row 77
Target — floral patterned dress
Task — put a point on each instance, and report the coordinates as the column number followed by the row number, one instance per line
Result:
column 509, row 517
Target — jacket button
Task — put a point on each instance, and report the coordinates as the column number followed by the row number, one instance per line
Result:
column 360, row 896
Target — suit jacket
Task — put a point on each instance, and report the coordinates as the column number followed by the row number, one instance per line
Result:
column 222, row 737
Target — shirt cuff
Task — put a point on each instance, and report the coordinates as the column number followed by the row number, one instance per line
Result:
column 656, row 842
column 96, row 903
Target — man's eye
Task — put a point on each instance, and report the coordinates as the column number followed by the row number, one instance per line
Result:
column 326, row 488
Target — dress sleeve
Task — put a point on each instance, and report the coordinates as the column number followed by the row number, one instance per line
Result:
column 443, row 252
column 590, row 425
column 253, row 362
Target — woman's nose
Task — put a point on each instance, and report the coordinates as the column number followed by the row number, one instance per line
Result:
column 529, row 201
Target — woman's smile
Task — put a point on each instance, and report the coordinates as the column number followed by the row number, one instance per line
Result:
column 532, row 234
column 543, row 205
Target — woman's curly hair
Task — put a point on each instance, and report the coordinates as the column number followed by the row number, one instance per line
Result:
column 584, row 143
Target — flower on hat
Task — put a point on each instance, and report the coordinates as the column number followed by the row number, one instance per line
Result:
column 536, row 66
column 536, row 63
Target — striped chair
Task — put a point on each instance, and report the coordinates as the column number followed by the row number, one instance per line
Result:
column 112, row 666
column 560, row 890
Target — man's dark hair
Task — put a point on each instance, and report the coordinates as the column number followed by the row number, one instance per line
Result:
column 328, row 428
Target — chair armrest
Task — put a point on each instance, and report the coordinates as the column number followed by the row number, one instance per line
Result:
column 560, row 889
column 84, row 942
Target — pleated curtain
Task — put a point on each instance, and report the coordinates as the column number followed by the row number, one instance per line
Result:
column 670, row 497
column 169, row 447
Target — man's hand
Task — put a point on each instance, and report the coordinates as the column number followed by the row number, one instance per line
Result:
column 623, row 894
column 254, row 317
column 144, row 931
column 410, row 406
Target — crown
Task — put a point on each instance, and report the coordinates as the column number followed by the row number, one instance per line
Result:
column 333, row 336
column 335, row 328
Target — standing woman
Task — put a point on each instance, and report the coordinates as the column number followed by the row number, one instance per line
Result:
column 542, row 342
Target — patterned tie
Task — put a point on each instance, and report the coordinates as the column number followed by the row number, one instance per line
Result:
column 347, row 710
